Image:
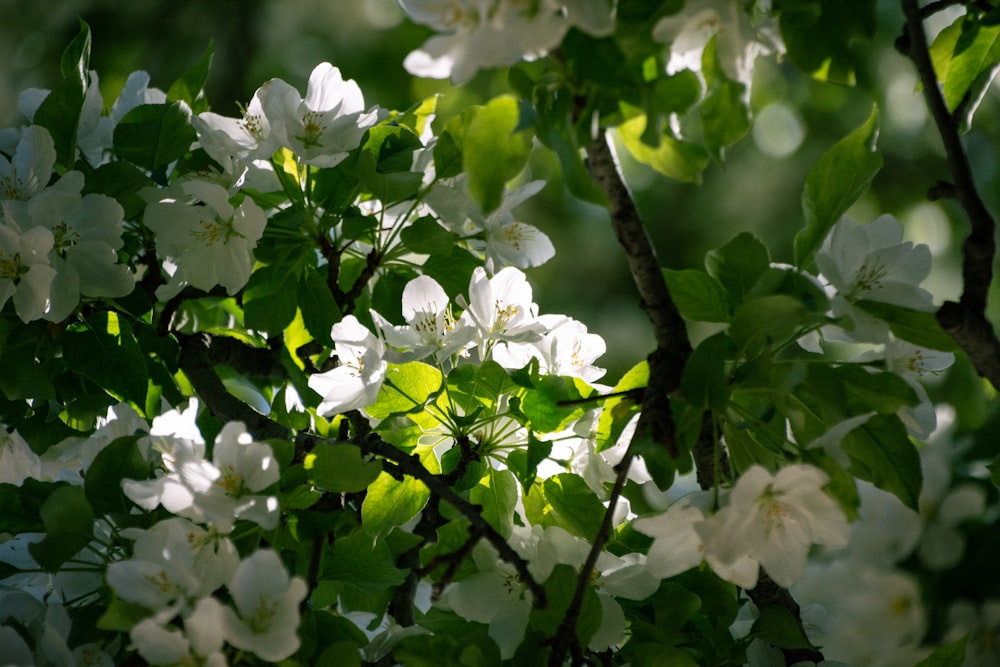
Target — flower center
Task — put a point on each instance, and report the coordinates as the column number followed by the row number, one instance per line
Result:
column 312, row 129
column 262, row 617
column 869, row 277
column 11, row 267
column 214, row 231
column 64, row 237
column 231, row 482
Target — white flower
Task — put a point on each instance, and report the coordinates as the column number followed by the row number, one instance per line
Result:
column 18, row 461
column 210, row 244
column 431, row 330
column 325, row 125
column 25, row 273
column 267, row 607
column 247, row 137
column 87, row 233
column 774, row 519
column 355, row 382
column 912, row 363
column 200, row 643
column 29, row 170
column 982, row 623
column 500, row 308
column 481, row 34
column 219, row 492
column 678, row 547
column 871, row 262
column 508, row 241
column 943, row 507
column 566, row 349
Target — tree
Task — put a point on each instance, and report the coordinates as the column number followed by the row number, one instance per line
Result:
column 275, row 387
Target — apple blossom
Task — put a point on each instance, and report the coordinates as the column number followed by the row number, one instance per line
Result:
column 200, row 643
column 17, row 460
column 210, row 243
column 774, row 519
column 28, row 171
column 355, row 382
column 326, row 124
column 267, row 607
column 500, row 309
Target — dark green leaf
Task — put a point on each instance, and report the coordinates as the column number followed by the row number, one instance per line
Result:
column 496, row 494
column 881, row 452
column 698, row 296
column 269, row 300
column 69, row 526
column 542, row 403
column 738, row 265
column 154, row 135
column 705, row 382
column 103, row 480
column 559, row 589
column 947, row 655
column 319, row 309
column 776, row 625
column 20, row 506
column 427, row 237
column 105, row 350
column 820, row 35
column 190, row 87
column 835, row 182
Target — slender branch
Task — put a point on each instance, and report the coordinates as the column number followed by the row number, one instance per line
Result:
column 964, row 321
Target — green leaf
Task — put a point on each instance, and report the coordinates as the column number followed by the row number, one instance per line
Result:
column 994, row 468
column 914, row 326
column 340, row 468
column 675, row 93
column 566, row 501
column 776, row 625
column 493, row 150
column 835, row 182
column 120, row 180
column 319, row 309
column 59, row 112
column 154, row 135
column 471, row 386
column 947, row 655
column 452, row 271
column 698, row 296
column 190, row 87
column 105, row 350
column 541, row 404
column 883, row 392
column 766, row 321
column 390, row 502
column 269, row 298
column 965, row 57
column 820, row 35
column 881, row 452
column 427, row 237
column 725, row 112
column 617, row 410
column 362, row 562
column 496, row 494
column 738, row 265
column 680, row 160
column 20, row 506
column 102, row 483
column 406, row 387
column 69, row 527
column 705, row 382
column 387, row 187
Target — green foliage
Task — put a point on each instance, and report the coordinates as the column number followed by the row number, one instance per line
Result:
column 820, row 36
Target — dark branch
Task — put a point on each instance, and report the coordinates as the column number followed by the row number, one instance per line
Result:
column 965, row 321
column 197, row 365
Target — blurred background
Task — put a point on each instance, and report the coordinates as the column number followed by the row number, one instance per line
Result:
column 758, row 189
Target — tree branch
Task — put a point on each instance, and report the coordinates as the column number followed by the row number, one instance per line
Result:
column 965, row 321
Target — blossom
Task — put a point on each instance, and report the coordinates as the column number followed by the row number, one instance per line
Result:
column 325, row 125
column 217, row 492
column 431, row 328
column 200, row 643
column 566, row 349
column 774, row 519
column 28, row 171
column 267, row 613
column 499, row 236
column 18, row 461
column 355, row 382
column 500, row 309
column 871, row 262
column 87, row 233
column 738, row 41
column 480, row 34
column 25, row 273
column 209, row 244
